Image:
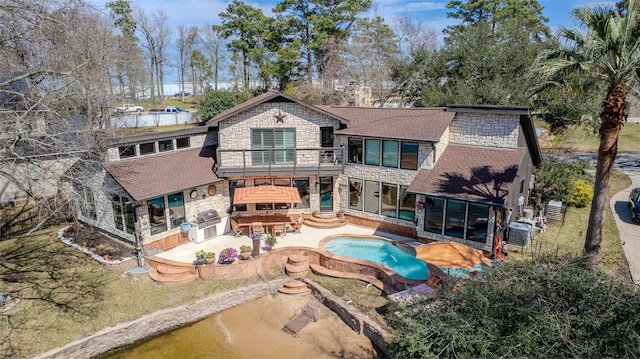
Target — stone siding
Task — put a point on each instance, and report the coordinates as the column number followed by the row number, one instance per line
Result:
column 441, row 145
column 487, row 130
column 235, row 132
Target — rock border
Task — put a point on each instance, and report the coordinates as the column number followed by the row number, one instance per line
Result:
column 69, row 242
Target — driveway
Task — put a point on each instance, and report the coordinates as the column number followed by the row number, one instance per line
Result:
column 628, row 230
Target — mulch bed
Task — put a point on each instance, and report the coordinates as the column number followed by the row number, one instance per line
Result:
column 97, row 242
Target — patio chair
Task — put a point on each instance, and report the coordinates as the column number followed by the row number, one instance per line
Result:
column 278, row 228
column 256, row 227
column 236, row 228
column 298, row 225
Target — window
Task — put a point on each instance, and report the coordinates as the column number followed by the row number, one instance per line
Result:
column 326, row 136
column 355, row 194
column 409, row 156
column 166, row 145
column 389, row 200
column 433, row 214
column 284, row 182
column 233, row 184
column 263, row 182
column 371, row 196
column 273, row 138
column 157, row 219
column 118, row 217
column 303, row 190
column 390, row 154
column 477, row 222
column 176, row 209
column 372, row 154
column 407, row 204
column 147, row 148
column 455, row 218
column 127, row 151
column 355, row 150
column 183, row 142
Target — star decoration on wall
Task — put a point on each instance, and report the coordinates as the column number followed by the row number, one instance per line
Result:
column 280, row 116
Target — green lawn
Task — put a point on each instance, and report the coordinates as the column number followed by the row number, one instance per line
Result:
column 67, row 295
column 578, row 139
column 568, row 237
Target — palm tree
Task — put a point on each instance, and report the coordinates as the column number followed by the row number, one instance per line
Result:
column 607, row 54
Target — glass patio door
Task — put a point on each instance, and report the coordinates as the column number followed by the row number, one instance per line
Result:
column 326, row 194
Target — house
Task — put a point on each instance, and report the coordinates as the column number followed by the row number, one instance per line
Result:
column 450, row 173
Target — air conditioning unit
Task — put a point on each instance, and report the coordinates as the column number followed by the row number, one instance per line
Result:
column 520, row 234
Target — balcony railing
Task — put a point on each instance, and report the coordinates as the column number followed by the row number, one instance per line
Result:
column 280, row 161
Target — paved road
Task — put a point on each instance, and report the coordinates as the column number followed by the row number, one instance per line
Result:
column 629, row 231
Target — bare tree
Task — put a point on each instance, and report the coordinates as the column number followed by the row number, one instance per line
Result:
column 414, row 35
column 185, row 42
column 156, row 38
column 213, row 47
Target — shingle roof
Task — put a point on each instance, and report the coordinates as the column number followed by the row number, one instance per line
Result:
column 152, row 176
column 423, row 124
column 471, row 173
column 271, row 95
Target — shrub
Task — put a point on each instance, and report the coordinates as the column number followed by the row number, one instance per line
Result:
column 547, row 307
column 245, row 248
column 201, row 254
column 556, row 180
column 581, row 195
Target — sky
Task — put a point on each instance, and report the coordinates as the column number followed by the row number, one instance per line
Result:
column 200, row 12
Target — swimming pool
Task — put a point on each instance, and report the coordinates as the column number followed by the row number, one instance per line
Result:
column 380, row 251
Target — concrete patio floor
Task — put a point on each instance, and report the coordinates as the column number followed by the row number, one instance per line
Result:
column 309, row 237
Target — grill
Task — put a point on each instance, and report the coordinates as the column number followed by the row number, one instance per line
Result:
column 207, row 218
column 204, row 226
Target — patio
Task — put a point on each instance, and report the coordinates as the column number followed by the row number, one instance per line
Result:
column 309, row 237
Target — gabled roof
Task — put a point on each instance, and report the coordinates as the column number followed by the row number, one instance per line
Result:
column 269, row 96
column 153, row 176
column 423, row 124
column 471, row 173
column 526, row 123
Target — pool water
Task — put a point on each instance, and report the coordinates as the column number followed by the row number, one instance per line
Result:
column 380, row 251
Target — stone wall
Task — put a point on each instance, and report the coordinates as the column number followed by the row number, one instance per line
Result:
column 487, row 130
column 235, row 132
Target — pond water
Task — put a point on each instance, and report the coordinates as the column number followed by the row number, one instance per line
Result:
column 380, row 251
column 254, row 330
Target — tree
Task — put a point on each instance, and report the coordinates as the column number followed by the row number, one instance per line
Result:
column 544, row 308
column 212, row 42
column 200, row 70
column 372, row 48
column 156, row 35
column 607, row 53
column 217, row 101
column 247, row 25
column 528, row 13
column 322, row 26
column 184, row 43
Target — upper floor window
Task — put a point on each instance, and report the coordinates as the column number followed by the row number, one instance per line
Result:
column 147, row 148
column 183, row 142
column 273, row 138
column 355, row 150
column 127, row 151
column 372, row 152
column 409, row 156
column 166, row 145
column 388, row 153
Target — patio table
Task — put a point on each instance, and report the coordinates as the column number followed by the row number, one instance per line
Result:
column 266, row 221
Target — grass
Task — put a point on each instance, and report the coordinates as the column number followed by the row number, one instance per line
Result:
column 568, row 237
column 62, row 288
column 580, row 139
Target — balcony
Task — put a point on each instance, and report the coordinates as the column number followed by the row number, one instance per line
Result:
column 326, row 161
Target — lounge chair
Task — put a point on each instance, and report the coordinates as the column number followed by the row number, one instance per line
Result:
column 236, row 228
